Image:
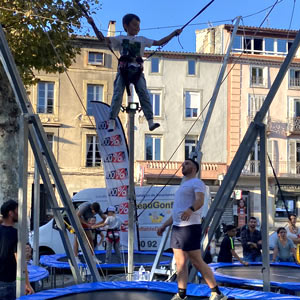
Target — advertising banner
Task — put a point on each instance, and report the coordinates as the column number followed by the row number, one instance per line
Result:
column 114, row 153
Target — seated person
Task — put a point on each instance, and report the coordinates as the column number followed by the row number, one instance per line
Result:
column 284, row 250
column 227, row 246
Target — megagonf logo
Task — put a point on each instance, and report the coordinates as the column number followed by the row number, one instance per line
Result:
column 116, row 157
column 119, row 174
column 120, row 191
column 115, row 140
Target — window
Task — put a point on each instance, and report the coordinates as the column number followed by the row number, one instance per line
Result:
column 96, row 58
column 259, row 45
column 254, row 104
column 50, row 138
column 191, row 67
column 290, row 202
column 93, row 157
column 257, row 76
column 155, row 102
column 192, row 104
column 294, row 78
column 94, row 93
column 189, row 147
column 294, row 156
column 294, row 114
column 45, row 97
column 269, row 46
column 153, row 147
column 155, row 65
column 253, row 159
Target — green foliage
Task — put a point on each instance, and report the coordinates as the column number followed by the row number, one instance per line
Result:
column 40, row 33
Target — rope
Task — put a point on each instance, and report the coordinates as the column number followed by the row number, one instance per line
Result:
column 199, row 13
column 279, row 188
column 90, row 20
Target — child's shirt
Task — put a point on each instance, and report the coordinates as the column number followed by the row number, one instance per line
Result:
column 284, row 251
column 133, row 46
column 227, row 245
column 113, row 222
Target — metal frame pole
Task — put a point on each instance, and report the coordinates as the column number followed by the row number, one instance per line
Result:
column 22, row 206
column 198, row 151
column 264, row 208
column 36, row 215
column 39, row 141
column 131, row 191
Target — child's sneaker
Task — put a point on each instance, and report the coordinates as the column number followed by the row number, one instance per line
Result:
column 111, row 125
column 177, row 297
column 152, row 125
column 215, row 296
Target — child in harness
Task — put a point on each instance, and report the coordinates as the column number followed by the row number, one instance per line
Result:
column 113, row 224
column 130, row 69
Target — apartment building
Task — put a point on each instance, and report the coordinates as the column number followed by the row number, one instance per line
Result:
column 257, row 56
column 63, row 103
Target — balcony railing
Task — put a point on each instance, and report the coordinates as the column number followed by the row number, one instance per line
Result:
column 164, row 168
column 282, row 168
column 295, row 82
column 294, row 125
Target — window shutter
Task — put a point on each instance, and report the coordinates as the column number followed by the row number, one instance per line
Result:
column 292, row 157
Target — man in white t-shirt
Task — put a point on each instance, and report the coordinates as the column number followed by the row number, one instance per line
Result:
column 186, row 231
column 112, row 224
column 130, row 69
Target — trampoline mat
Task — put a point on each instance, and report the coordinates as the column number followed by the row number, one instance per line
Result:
column 277, row 273
column 138, row 259
column 125, row 295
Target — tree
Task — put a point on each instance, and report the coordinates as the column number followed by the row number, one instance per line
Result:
column 40, row 35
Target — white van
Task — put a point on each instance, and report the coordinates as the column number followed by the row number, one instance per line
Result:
column 154, row 206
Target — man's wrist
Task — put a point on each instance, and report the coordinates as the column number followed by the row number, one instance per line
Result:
column 192, row 208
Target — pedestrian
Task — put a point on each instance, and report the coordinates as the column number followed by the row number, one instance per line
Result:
column 85, row 211
column 186, row 231
column 251, row 242
column 113, row 224
column 130, row 68
column 227, row 249
column 284, row 250
column 293, row 231
column 8, row 252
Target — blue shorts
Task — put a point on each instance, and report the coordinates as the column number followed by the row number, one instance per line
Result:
column 187, row 238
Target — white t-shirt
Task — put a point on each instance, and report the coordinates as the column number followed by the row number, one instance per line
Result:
column 113, row 222
column 184, row 198
column 136, row 46
column 291, row 235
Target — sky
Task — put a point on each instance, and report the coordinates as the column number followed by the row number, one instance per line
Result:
column 157, row 14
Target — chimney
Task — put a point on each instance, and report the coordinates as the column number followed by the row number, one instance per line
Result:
column 111, row 28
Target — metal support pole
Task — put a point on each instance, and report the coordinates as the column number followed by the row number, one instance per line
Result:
column 264, row 208
column 22, row 207
column 198, row 150
column 131, row 192
column 36, row 215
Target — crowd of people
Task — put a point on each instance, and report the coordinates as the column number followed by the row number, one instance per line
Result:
column 251, row 240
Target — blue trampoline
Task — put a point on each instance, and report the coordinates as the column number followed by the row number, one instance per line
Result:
column 282, row 275
column 146, row 291
column 36, row 273
column 145, row 258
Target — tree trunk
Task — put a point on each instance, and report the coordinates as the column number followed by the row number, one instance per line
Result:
column 9, row 146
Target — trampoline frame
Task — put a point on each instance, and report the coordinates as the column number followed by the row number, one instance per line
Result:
column 222, row 278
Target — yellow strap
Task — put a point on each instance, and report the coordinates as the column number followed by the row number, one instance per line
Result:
column 298, row 254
